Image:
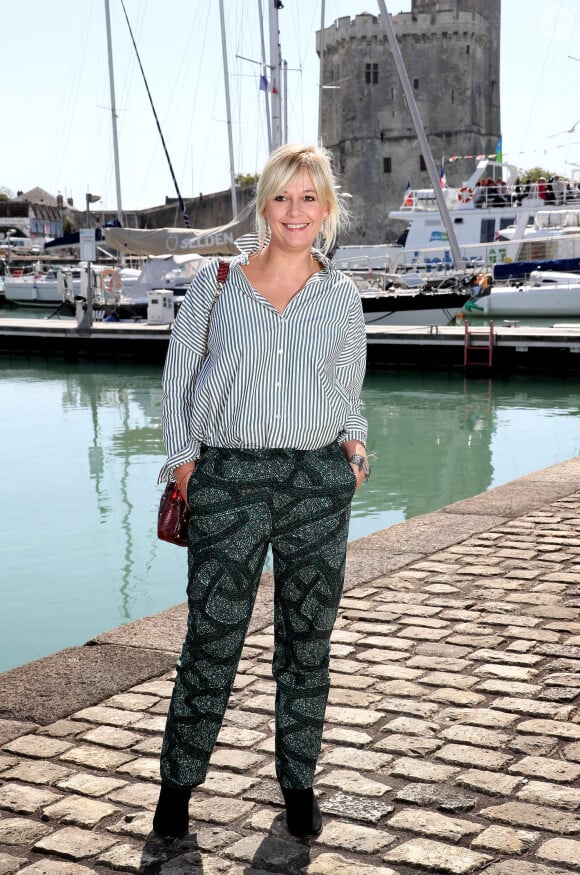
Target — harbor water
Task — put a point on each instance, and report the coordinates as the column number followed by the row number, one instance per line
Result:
column 81, row 449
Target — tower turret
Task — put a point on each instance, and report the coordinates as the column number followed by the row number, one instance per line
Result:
column 451, row 52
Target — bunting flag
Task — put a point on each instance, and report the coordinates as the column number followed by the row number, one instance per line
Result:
column 453, row 158
column 499, row 156
column 442, row 177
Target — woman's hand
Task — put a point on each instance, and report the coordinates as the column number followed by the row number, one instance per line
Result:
column 359, row 464
column 359, row 474
column 182, row 475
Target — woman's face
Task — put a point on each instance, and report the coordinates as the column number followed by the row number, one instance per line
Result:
column 295, row 215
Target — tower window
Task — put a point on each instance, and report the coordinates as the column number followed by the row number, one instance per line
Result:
column 467, row 49
column 387, row 165
column 371, row 74
column 422, row 165
column 416, row 84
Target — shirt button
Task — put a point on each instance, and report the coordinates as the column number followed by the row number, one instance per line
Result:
column 280, row 351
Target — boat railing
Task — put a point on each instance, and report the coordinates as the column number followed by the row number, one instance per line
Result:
column 485, row 256
column 488, row 194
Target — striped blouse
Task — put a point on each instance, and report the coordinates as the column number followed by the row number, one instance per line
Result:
column 259, row 378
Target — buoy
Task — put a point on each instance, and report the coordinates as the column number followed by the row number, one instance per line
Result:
column 464, row 194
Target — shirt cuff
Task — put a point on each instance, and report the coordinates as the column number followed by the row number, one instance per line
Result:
column 190, row 454
column 353, row 435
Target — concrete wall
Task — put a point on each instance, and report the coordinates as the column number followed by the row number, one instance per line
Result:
column 206, row 211
column 451, row 52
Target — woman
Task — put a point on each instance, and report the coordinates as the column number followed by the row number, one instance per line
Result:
column 265, row 440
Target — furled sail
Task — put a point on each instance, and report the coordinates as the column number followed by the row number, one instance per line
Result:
column 180, row 241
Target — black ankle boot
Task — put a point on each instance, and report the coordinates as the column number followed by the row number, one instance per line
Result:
column 171, row 820
column 302, row 813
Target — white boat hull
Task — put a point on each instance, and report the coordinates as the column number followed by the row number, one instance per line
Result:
column 26, row 292
column 545, row 296
column 541, row 303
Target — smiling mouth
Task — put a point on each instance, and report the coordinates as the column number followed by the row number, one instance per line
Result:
column 297, row 227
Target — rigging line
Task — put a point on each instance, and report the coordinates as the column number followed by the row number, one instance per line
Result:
column 184, row 214
column 541, row 75
column 197, row 78
column 71, row 99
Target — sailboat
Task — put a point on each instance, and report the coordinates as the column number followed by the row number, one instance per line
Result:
column 186, row 243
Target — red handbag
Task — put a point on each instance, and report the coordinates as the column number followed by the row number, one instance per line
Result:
column 173, row 514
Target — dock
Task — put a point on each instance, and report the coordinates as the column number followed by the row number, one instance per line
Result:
column 511, row 347
column 63, row 338
column 452, row 736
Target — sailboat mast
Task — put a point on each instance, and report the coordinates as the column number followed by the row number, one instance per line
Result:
column 420, row 131
column 114, row 114
column 275, row 63
column 228, row 112
column 265, row 74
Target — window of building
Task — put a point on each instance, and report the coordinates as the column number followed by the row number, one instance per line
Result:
column 371, row 74
column 422, row 165
column 416, row 84
column 387, row 165
column 467, row 49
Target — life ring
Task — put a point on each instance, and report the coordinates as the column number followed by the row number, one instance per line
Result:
column 110, row 280
column 464, row 194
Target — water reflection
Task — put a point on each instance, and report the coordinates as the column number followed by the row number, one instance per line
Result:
column 432, row 438
column 84, row 448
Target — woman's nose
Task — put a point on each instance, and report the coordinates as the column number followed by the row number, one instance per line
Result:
column 292, row 205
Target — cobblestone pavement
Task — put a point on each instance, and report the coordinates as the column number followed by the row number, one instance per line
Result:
column 452, row 740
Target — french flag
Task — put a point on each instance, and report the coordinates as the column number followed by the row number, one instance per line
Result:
column 442, row 178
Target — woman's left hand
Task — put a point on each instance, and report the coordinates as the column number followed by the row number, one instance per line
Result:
column 355, row 448
column 360, row 475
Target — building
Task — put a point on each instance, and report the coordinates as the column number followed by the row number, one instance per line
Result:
column 451, row 53
column 34, row 215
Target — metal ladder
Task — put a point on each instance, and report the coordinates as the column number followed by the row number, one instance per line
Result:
column 478, row 346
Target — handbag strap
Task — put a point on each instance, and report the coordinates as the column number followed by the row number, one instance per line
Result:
column 222, row 275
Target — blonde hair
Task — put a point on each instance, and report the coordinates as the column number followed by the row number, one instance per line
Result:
column 281, row 168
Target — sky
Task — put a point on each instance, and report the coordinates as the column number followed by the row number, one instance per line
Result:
column 56, row 131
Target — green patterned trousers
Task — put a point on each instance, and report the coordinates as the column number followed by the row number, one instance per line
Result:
column 241, row 501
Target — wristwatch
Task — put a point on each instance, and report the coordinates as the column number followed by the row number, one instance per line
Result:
column 362, row 464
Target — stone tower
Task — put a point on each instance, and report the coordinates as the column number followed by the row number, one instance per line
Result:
column 451, row 53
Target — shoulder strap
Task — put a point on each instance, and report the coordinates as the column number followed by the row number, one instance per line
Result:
column 222, row 275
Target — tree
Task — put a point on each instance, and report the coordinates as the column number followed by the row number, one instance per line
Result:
column 243, row 180
column 5, row 193
column 532, row 175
